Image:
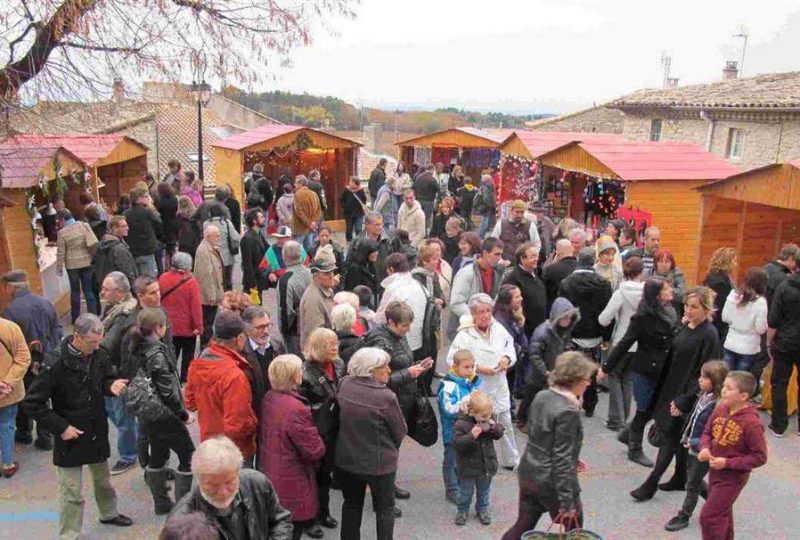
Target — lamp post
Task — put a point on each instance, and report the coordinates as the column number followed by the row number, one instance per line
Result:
column 201, row 93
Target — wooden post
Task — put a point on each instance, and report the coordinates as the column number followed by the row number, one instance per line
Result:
column 740, row 235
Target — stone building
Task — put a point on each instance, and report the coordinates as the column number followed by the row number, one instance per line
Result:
column 751, row 122
column 596, row 119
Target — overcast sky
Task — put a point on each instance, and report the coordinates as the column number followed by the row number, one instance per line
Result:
column 536, row 55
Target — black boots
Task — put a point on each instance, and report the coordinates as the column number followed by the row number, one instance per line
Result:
column 679, row 522
column 646, row 491
column 635, row 452
column 156, row 480
column 183, row 484
column 623, row 435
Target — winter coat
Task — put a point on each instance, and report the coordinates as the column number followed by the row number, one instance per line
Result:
column 475, row 458
column 452, row 391
column 385, row 204
column 155, row 359
column 412, row 220
column 622, row 306
column 76, row 389
column 318, row 390
column 285, row 209
column 144, row 229
column 555, row 438
column 262, row 186
column 258, row 372
column 193, row 194
column 266, row 518
column 183, row 305
column 189, row 233
column 75, row 245
column 218, row 389
column 516, row 332
column 488, row 350
column 746, row 324
column 208, row 271
column 314, row 311
column 466, row 283
column 426, row 187
column 113, row 255
column 677, row 281
column 377, row 178
column 353, row 202
column 400, row 381
column 403, row 287
column 484, row 203
column 696, row 422
column 297, row 280
column 14, row 361
column 290, row 452
column 722, row 284
column 554, row 274
column 235, row 210
column 306, row 211
column 371, row 427
column 653, row 337
column 784, row 315
column 167, row 209
column 228, row 238
column 590, row 293
column 116, row 324
column 349, row 343
column 548, row 341
column 610, row 273
column 384, row 250
column 534, row 295
column 360, row 271
column 37, row 318
column 776, row 273
column 253, row 248
column 465, row 196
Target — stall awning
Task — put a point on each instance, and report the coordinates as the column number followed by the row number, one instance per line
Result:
column 279, row 135
column 460, row 137
column 20, row 164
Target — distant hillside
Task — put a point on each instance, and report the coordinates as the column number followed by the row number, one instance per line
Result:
column 315, row 111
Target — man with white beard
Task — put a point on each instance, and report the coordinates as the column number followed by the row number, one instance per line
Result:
column 240, row 504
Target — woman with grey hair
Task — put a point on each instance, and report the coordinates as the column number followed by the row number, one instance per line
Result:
column 343, row 317
column 368, row 406
column 493, row 348
column 181, row 299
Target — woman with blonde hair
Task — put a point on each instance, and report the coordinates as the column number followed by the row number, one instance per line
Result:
column 291, row 448
column 721, row 268
column 609, row 263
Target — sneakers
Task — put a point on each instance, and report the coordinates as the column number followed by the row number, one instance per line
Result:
column 121, row 467
column 461, row 519
column 10, row 471
column 679, row 522
column 776, row 434
column 485, row 518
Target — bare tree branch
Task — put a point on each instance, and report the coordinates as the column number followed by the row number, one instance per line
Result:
column 87, row 47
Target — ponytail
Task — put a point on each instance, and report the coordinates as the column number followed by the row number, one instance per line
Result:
column 147, row 323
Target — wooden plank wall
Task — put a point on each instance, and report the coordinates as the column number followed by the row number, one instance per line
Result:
column 575, row 158
column 229, row 171
column 17, row 228
column 675, row 207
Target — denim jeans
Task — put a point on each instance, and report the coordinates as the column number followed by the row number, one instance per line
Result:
column 146, row 265
column 8, row 417
column 449, row 471
column 467, row 486
column 81, row 279
column 643, row 389
column 127, row 434
column 738, row 362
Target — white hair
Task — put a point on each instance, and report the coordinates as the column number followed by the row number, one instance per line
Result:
column 480, row 299
column 182, row 261
column 215, row 455
column 292, row 253
column 120, row 281
column 367, row 360
column 343, row 316
column 88, row 323
column 346, row 297
column 208, row 229
column 578, row 232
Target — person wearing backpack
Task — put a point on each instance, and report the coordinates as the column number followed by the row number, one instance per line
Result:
column 154, row 396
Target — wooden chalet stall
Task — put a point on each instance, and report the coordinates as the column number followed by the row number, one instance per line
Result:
column 756, row 212
column 595, row 174
column 114, row 163
column 280, row 146
column 475, row 149
column 24, row 171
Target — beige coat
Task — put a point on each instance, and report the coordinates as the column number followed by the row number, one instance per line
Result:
column 14, row 361
column 314, row 311
column 75, row 246
column 412, row 220
column 208, row 272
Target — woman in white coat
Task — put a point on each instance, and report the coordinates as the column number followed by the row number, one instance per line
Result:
column 745, row 311
column 401, row 285
column 493, row 348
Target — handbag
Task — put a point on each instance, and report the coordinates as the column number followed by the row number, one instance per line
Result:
column 326, row 418
column 423, row 426
column 575, row 533
column 655, row 436
column 142, row 400
column 233, row 247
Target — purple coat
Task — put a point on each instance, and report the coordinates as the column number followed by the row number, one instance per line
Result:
column 290, row 451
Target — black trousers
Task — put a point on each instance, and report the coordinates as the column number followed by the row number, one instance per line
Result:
column 672, row 448
column 324, row 479
column 227, row 277
column 209, row 314
column 25, row 422
column 165, row 436
column 185, row 347
column 528, row 394
column 782, row 365
column 696, row 471
column 354, row 489
column 533, row 502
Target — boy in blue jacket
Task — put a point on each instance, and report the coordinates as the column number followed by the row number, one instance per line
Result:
column 454, row 388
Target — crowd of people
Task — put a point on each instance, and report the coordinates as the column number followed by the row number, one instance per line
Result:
column 320, row 392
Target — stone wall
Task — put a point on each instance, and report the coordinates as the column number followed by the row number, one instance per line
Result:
column 367, row 161
column 597, row 119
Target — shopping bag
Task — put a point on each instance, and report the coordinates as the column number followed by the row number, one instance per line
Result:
column 576, row 533
column 424, row 427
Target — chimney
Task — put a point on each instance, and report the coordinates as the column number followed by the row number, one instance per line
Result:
column 118, row 89
column 672, row 82
column 731, row 70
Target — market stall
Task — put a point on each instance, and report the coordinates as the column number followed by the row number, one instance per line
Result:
column 474, row 149
column 594, row 178
column 277, row 147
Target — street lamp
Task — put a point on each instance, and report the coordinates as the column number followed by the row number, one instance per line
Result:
column 201, row 94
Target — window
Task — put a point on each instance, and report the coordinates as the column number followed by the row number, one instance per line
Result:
column 655, row 129
column 735, row 143
column 193, row 157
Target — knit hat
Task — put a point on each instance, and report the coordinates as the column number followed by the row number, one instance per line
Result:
column 604, row 243
column 586, row 257
column 518, row 204
column 228, row 325
column 324, row 260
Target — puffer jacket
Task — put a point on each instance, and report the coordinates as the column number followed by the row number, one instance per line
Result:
column 290, row 451
column 653, row 335
column 622, row 306
column 547, row 342
column 590, row 293
column 452, row 391
column 318, row 390
column 555, row 437
column 475, row 458
column 113, row 254
column 400, row 381
column 154, row 358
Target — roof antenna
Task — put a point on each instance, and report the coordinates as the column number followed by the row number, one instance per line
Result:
column 742, row 33
column 666, row 64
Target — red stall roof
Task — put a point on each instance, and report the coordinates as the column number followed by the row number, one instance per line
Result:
column 543, row 142
column 20, row 165
column 264, row 133
column 88, row 148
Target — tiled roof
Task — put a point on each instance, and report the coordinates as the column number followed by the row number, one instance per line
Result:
column 21, row 162
column 255, row 136
column 770, row 91
column 89, row 148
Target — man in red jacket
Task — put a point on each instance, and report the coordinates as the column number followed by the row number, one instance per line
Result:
column 218, row 387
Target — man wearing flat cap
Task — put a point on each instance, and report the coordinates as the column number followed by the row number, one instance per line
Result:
column 317, row 301
column 515, row 230
column 218, row 388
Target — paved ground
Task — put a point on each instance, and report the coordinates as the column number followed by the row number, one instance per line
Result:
column 768, row 507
